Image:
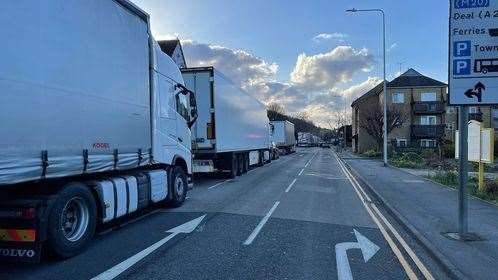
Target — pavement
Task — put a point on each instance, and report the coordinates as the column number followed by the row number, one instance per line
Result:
column 299, row 217
column 428, row 210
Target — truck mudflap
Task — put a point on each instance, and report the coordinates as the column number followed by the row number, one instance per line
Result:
column 28, row 252
column 21, row 236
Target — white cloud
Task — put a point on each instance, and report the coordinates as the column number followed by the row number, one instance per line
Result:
column 242, row 67
column 326, row 70
column 329, row 36
column 314, row 85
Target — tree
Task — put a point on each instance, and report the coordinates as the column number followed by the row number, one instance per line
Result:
column 275, row 111
column 372, row 120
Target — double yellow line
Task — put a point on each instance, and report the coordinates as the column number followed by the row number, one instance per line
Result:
column 375, row 214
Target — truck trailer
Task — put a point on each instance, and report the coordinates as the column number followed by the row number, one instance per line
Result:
column 305, row 139
column 232, row 130
column 282, row 134
column 95, row 123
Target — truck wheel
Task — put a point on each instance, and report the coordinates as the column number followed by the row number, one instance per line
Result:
column 246, row 162
column 178, row 187
column 240, row 164
column 233, row 167
column 72, row 220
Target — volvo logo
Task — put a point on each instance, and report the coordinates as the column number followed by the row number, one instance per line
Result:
column 17, row 253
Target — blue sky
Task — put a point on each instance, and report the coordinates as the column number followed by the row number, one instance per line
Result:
column 277, row 32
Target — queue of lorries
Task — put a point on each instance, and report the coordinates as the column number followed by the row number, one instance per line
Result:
column 98, row 123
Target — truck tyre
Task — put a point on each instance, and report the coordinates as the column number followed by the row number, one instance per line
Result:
column 245, row 162
column 72, row 220
column 178, row 186
column 240, row 164
column 233, row 167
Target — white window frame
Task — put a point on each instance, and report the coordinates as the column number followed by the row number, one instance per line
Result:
column 426, row 143
column 473, row 110
column 433, row 95
column 429, row 117
column 398, row 98
column 400, row 140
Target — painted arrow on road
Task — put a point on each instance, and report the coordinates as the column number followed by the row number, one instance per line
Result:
column 115, row 271
column 368, row 250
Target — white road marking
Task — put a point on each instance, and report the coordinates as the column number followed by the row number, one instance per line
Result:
column 368, row 250
column 300, row 172
column 413, row 181
column 263, row 221
column 217, row 184
column 116, row 270
column 408, row 270
column 290, row 186
column 309, row 161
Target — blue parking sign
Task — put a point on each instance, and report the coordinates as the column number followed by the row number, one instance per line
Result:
column 461, row 67
column 461, row 48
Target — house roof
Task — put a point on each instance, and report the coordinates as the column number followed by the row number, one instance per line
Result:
column 373, row 92
column 168, row 46
column 412, row 78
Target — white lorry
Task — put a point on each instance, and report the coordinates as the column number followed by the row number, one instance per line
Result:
column 232, row 130
column 305, row 139
column 94, row 123
column 282, row 134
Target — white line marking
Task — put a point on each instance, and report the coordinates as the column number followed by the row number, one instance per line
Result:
column 258, row 228
column 300, row 172
column 217, row 184
column 409, row 272
column 116, row 270
column 290, row 186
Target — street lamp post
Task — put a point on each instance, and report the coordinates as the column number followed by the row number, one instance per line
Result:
column 384, row 70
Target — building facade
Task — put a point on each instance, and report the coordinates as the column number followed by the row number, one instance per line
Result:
column 421, row 103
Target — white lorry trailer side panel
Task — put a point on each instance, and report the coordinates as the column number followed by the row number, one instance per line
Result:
column 72, row 78
column 283, row 134
column 241, row 121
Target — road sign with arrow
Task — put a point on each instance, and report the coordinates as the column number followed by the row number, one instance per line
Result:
column 473, row 53
column 368, row 250
column 476, row 92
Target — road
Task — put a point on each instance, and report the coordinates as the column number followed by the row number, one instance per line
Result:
column 299, row 217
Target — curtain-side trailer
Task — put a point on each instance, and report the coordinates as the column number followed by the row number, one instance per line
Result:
column 232, row 130
column 94, row 123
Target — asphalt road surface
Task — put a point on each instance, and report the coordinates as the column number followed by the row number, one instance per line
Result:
column 299, row 217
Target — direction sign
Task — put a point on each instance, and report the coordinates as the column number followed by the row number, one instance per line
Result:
column 473, row 52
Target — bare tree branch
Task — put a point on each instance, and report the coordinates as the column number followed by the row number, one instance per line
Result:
column 372, row 120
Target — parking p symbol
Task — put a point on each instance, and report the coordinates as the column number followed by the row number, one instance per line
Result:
column 461, row 48
column 461, row 67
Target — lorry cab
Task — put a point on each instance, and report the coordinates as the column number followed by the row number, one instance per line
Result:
column 175, row 112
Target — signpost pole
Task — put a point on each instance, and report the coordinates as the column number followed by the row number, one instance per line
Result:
column 463, row 116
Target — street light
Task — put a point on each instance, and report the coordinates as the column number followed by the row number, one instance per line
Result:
column 384, row 62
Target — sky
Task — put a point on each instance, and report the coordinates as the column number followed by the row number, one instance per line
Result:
column 308, row 56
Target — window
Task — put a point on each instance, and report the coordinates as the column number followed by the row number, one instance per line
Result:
column 428, row 143
column 473, row 110
column 428, row 120
column 428, row 96
column 450, row 126
column 398, row 97
column 401, row 142
column 182, row 106
column 450, row 109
